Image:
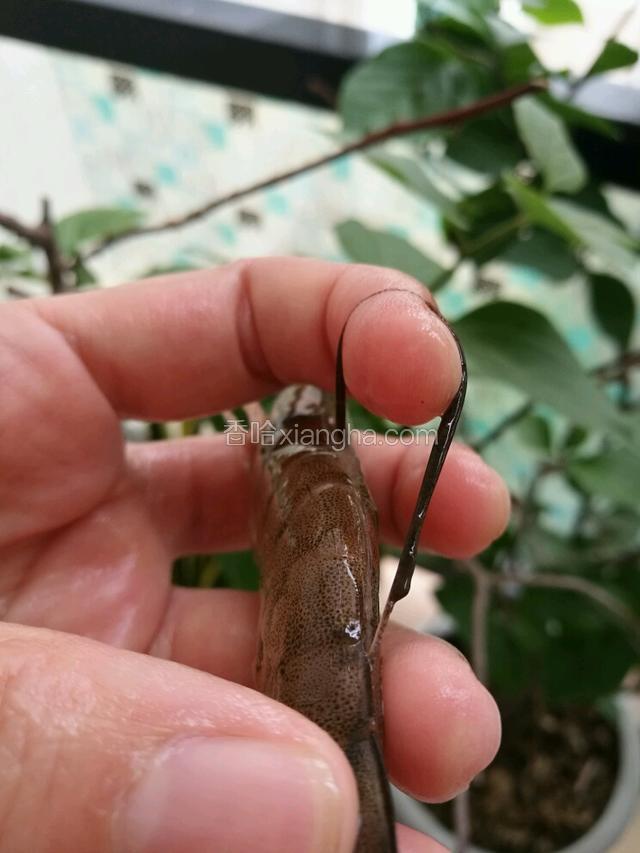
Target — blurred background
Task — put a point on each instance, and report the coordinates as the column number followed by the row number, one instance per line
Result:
column 124, row 115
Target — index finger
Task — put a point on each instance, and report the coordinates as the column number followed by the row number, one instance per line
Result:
column 190, row 344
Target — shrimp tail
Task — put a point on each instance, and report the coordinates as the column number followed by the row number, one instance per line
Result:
column 366, row 760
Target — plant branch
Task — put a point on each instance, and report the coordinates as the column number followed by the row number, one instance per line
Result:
column 483, row 581
column 52, row 250
column 462, row 821
column 393, row 131
column 571, row 583
column 585, row 587
column 42, row 237
column 618, row 368
column 502, row 426
column 480, row 663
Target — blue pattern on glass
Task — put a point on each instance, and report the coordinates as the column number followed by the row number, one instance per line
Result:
column 276, row 202
column 216, row 133
column 166, row 174
column 105, row 107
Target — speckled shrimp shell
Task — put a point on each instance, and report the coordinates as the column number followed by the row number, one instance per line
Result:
column 316, row 542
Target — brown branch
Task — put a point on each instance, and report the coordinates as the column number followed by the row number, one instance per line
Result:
column 462, row 821
column 394, row 131
column 483, row 581
column 33, row 236
column 502, row 426
column 571, row 583
column 52, row 250
column 618, row 368
column 480, row 605
column 42, row 237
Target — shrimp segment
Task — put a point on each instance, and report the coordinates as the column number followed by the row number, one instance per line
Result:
column 316, row 543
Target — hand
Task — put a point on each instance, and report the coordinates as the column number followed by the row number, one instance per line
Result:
column 127, row 719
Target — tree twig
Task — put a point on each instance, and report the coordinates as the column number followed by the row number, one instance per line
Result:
column 483, row 581
column 462, row 821
column 618, row 368
column 480, row 663
column 502, row 426
column 572, row 583
column 589, row 589
column 52, row 250
column 394, row 131
column 42, row 237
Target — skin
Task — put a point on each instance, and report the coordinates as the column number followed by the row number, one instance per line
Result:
column 89, row 528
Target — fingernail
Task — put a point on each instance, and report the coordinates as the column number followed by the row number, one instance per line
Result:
column 203, row 794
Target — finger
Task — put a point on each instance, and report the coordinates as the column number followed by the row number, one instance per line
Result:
column 105, row 576
column 61, row 447
column 190, row 344
column 227, row 618
column 411, row 841
column 198, row 491
column 199, row 494
column 122, row 752
column 441, row 725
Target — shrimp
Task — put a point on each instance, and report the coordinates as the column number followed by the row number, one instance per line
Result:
column 315, row 537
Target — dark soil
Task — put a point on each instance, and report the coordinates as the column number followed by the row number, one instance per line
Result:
column 549, row 783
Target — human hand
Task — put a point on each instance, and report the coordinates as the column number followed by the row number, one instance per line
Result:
column 107, row 749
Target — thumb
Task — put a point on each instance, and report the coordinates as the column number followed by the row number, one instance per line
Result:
column 115, row 752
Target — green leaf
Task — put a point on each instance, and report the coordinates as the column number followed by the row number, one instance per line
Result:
column 238, row 570
column 614, row 55
column 544, row 252
column 614, row 474
column 492, row 223
column 84, row 275
column 367, row 246
column 575, row 438
column 416, row 177
column 549, row 145
column 534, row 431
column 487, row 145
column 517, row 60
column 98, row 223
column 544, row 641
column 614, row 308
column 11, row 253
column 407, row 81
column 467, row 16
column 611, row 249
column 166, row 269
column 538, row 210
column 518, row 345
column 553, row 12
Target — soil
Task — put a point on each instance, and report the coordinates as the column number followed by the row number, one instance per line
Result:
column 549, row 783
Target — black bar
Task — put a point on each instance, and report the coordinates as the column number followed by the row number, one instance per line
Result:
column 243, row 47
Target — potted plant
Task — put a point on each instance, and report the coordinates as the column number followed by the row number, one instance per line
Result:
column 550, row 614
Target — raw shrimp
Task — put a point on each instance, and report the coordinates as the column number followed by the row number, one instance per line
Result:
column 316, row 542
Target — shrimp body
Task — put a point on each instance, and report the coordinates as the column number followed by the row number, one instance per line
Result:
column 316, row 542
